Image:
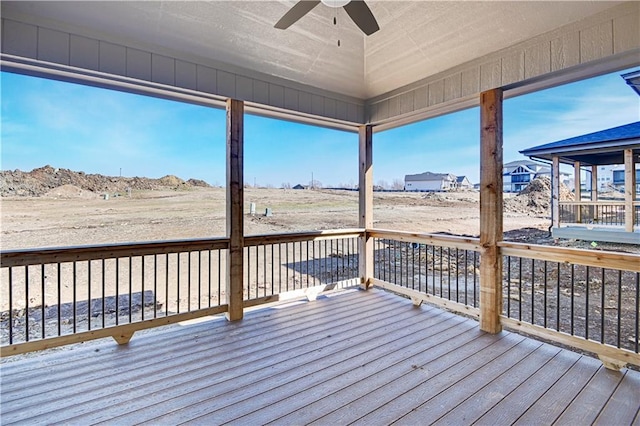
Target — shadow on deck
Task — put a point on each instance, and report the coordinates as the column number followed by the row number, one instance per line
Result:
column 350, row 357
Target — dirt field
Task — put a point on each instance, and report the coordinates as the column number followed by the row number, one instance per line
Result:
column 67, row 218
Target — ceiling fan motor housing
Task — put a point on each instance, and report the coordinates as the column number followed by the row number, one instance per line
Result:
column 335, row 3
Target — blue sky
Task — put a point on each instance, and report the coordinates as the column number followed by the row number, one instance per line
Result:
column 102, row 131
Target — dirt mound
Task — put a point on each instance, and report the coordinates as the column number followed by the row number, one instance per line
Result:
column 70, row 192
column 45, row 180
column 536, row 198
column 198, row 182
column 171, row 180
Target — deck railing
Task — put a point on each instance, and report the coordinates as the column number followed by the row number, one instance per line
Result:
column 438, row 268
column 301, row 263
column 611, row 213
column 583, row 298
column 49, row 297
column 71, row 294
column 55, row 296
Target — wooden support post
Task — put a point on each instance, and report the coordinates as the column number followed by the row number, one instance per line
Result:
column 577, row 190
column 594, row 183
column 490, row 210
column 629, row 189
column 555, row 192
column 365, row 191
column 235, row 208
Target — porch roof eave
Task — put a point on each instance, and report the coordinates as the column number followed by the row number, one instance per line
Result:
column 603, row 153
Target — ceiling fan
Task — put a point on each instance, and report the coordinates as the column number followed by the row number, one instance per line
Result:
column 357, row 10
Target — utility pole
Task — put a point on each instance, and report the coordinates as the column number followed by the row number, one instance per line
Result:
column 311, row 180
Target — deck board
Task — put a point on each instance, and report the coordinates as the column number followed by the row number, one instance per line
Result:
column 551, row 405
column 493, row 392
column 586, row 407
column 621, row 409
column 350, row 357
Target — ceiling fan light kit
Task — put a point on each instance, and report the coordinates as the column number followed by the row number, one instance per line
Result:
column 357, row 10
column 335, row 3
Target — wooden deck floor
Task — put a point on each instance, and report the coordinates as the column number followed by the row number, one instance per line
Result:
column 368, row 358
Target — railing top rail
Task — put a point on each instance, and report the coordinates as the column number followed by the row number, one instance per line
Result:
column 33, row 256
column 465, row 243
column 596, row 258
column 593, row 203
column 291, row 237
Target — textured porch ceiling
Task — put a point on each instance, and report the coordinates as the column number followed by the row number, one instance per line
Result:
column 417, row 38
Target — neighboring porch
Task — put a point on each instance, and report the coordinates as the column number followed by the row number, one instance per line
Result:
column 594, row 215
column 350, row 357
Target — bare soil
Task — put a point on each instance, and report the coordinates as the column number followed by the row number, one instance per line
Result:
column 68, row 216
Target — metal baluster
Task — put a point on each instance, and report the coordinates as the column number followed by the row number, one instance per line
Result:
column 42, row 298
column 26, row 304
column 11, row 306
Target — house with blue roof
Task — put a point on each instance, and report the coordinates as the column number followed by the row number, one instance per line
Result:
column 592, row 216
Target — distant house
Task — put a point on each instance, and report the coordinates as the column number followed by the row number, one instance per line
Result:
column 428, row 181
column 612, row 177
column 516, row 175
column 299, row 186
column 462, row 182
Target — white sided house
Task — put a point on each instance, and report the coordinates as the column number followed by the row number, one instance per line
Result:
column 516, row 175
column 428, row 181
column 463, row 183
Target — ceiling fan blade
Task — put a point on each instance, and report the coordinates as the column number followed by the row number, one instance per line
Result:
column 362, row 16
column 296, row 12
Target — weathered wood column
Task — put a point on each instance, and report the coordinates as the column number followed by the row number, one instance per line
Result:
column 629, row 189
column 365, row 192
column 490, row 210
column 235, row 208
column 577, row 190
column 555, row 192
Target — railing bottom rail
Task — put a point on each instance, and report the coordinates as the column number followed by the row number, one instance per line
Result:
column 417, row 297
column 121, row 333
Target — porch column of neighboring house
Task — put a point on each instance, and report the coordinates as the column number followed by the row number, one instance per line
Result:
column 594, row 193
column 555, row 192
column 577, row 191
column 594, row 183
column 235, row 208
column 490, row 210
column 629, row 189
column 365, row 192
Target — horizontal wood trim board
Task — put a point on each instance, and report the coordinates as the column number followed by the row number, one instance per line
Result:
column 434, row 300
column 80, row 253
column 598, row 259
column 115, row 332
column 463, row 243
column 573, row 341
column 257, row 240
